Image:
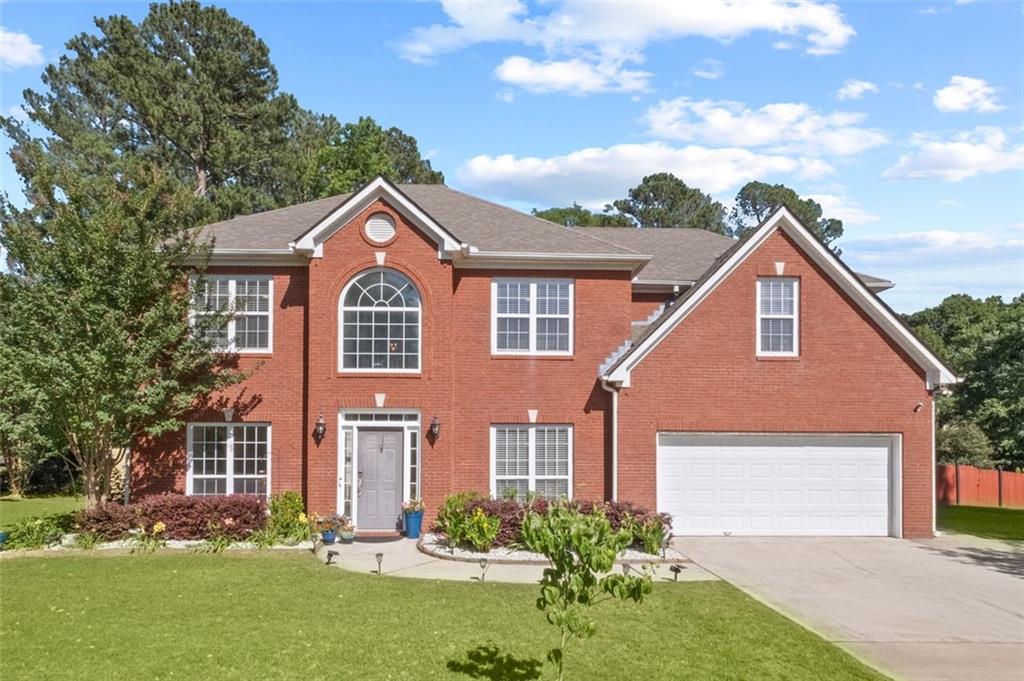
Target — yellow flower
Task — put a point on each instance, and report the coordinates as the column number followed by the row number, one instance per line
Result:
column 159, row 527
column 303, row 518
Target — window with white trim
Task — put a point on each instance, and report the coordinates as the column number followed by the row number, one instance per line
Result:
column 246, row 303
column 531, row 458
column 778, row 316
column 228, row 458
column 531, row 316
column 380, row 329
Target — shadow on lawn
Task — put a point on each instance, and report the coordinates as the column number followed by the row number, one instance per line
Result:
column 487, row 662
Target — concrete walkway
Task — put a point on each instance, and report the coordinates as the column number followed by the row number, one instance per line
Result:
column 945, row 609
column 401, row 558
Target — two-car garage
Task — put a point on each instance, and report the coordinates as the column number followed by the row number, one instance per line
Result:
column 779, row 484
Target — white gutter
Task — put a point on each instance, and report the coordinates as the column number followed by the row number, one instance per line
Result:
column 615, row 438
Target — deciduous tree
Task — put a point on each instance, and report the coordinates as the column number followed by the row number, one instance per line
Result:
column 758, row 200
column 663, row 200
column 578, row 216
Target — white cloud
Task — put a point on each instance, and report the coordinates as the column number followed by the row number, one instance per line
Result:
column 607, row 35
column 855, row 89
column 709, row 69
column 967, row 94
column 598, row 175
column 782, row 128
column 842, row 207
column 573, row 76
column 984, row 150
column 18, row 50
column 18, row 113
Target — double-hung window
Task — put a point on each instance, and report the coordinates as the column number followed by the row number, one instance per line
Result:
column 225, row 458
column 531, row 316
column 531, row 458
column 778, row 316
column 245, row 303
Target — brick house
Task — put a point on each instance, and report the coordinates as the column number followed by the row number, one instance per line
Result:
column 415, row 341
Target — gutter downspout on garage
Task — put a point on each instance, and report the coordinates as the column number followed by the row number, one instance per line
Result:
column 615, row 438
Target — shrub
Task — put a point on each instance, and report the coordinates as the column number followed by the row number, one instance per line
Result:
column 149, row 539
column 453, row 518
column 37, row 533
column 288, row 516
column 235, row 516
column 481, row 530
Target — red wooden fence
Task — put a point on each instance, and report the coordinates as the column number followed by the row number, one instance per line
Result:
column 970, row 486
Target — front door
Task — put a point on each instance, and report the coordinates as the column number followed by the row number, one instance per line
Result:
column 379, row 480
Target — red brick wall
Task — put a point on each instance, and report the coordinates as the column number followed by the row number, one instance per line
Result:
column 644, row 303
column 849, row 378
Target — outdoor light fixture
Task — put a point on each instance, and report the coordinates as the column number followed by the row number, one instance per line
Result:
column 331, row 555
column 229, row 414
column 675, row 570
column 320, row 429
column 664, row 545
column 625, row 569
column 379, row 557
column 435, row 428
column 483, row 568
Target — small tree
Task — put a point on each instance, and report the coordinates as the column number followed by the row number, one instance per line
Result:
column 663, row 200
column 963, row 442
column 580, row 548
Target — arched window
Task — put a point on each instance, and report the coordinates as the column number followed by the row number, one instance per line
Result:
column 380, row 329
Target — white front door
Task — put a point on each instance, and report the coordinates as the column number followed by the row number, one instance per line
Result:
column 771, row 484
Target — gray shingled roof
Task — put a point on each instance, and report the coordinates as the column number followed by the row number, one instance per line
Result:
column 680, row 254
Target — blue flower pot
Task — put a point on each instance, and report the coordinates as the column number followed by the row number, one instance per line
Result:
column 328, row 536
column 3, row 538
column 413, row 524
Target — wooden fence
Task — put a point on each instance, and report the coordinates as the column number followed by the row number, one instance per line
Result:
column 970, row 486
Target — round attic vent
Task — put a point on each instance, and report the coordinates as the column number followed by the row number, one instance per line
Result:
column 380, row 228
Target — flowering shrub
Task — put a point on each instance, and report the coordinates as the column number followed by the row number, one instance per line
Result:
column 481, row 530
column 288, row 517
column 413, row 506
column 645, row 527
column 179, row 517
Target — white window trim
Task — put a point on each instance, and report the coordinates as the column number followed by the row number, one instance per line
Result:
column 232, row 281
column 341, row 327
column 795, row 352
column 532, row 350
column 230, row 470
column 532, row 455
column 409, row 427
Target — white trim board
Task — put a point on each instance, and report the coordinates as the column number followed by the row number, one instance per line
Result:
column 936, row 371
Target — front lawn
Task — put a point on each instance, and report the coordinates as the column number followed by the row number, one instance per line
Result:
column 983, row 521
column 15, row 509
column 286, row 616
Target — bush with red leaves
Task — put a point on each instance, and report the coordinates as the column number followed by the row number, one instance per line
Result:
column 184, row 517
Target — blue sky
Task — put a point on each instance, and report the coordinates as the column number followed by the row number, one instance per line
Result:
column 903, row 119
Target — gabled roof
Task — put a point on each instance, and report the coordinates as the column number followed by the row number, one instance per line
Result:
column 618, row 370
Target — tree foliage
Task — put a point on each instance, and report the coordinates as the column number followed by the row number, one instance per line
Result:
column 963, row 442
column 578, row 216
column 663, row 200
column 358, row 152
column 756, row 201
column 98, row 310
column 983, row 339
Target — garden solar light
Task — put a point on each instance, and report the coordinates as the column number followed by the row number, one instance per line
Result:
column 379, row 557
column 625, row 569
column 483, row 568
column 664, row 545
column 330, row 556
column 675, row 570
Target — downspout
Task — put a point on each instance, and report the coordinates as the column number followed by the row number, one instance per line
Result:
column 615, row 438
column 127, row 474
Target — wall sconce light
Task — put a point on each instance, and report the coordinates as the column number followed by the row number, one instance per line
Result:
column 320, row 429
column 229, row 414
column 435, row 428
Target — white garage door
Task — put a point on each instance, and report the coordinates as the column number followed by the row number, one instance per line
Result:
column 777, row 484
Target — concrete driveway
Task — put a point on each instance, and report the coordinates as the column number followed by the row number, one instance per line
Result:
column 944, row 609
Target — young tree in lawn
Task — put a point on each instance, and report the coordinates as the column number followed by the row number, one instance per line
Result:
column 663, row 200
column 578, row 216
column 758, row 200
column 99, row 313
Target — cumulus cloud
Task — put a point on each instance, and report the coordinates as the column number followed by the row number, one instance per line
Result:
column 855, row 89
column 781, row 128
column 608, row 35
column 18, row 50
column 598, row 175
column 842, row 207
column 967, row 94
column 982, row 151
column 708, row 69
column 573, row 76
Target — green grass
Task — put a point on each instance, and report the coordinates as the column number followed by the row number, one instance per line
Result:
column 14, row 509
column 287, row 616
column 983, row 521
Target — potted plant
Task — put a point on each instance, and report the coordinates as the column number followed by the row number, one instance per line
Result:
column 346, row 532
column 328, row 527
column 413, row 510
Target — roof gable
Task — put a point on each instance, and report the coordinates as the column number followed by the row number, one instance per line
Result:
column 618, row 370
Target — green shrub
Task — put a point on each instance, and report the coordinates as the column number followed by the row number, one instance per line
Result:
column 648, row 533
column 149, row 540
column 288, row 519
column 87, row 540
column 37, row 533
column 264, row 538
column 482, row 530
column 453, row 518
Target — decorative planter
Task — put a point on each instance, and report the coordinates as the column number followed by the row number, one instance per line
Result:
column 347, row 537
column 328, row 536
column 413, row 524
